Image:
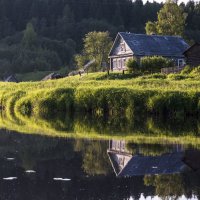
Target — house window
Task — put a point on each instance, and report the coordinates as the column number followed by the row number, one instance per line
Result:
column 124, row 62
column 114, row 63
column 120, row 64
column 181, row 62
column 123, row 47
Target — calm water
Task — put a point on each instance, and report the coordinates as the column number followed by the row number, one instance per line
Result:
column 36, row 167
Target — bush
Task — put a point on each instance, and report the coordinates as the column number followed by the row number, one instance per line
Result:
column 154, row 76
column 177, row 76
column 195, row 71
column 155, row 63
column 186, row 70
column 132, row 65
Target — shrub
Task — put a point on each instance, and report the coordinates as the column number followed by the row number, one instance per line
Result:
column 186, row 70
column 154, row 76
column 155, row 63
column 177, row 76
column 195, row 71
column 132, row 65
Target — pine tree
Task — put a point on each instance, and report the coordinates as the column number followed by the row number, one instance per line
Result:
column 29, row 40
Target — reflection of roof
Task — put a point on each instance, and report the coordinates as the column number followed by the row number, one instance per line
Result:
column 113, row 156
column 148, row 45
column 11, row 78
column 149, row 165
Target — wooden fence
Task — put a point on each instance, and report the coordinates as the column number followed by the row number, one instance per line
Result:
column 170, row 70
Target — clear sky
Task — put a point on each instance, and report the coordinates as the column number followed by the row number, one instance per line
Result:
column 185, row 1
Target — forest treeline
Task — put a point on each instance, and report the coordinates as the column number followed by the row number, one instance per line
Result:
column 58, row 26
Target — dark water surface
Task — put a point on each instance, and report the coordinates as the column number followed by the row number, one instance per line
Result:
column 39, row 168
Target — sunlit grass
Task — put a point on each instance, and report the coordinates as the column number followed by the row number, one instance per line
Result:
column 25, row 105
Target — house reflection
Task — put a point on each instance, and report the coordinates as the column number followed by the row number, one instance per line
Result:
column 128, row 164
column 119, row 155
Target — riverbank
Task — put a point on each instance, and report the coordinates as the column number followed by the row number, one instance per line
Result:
column 101, row 94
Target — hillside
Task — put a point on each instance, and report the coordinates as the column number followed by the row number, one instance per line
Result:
column 58, row 28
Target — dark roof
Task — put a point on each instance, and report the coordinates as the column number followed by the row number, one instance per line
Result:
column 52, row 76
column 11, row 78
column 195, row 44
column 140, row 165
column 150, row 165
column 149, row 45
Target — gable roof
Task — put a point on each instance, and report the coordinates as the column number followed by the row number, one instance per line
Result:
column 188, row 49
column 149, row 45
column 115, row 165
column 11, row 78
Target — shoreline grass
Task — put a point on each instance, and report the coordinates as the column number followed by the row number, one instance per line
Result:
column 25, row 105
column 98, row 93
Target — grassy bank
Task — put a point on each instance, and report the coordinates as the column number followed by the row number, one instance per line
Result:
column 100, row 94
column 26, row 105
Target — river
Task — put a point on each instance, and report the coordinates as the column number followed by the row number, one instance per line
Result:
column 38, row 167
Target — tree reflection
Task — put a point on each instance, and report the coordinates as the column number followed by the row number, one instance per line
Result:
column 166, row 186
column 95, row 159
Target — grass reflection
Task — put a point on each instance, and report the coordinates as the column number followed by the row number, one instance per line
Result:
column 146, row 129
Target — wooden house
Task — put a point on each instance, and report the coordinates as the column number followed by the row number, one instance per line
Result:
column 130, row 45
column 192, row 55
column 11, row 78
column 127, row 164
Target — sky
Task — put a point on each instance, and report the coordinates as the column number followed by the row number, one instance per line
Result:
column 185, row 1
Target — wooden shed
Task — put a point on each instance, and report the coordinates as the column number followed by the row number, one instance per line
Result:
column 192, row 55
column 11, row 78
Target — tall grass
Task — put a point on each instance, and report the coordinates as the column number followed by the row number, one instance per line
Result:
column 90, row 93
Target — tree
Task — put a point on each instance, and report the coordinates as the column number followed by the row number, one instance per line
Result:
column 97, row 46
column 171, row 20
column 29, row 39
column 151, row 28
column 80, row 60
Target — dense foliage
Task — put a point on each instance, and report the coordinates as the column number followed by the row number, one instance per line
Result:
column 60, row 26
column 155, row 63
column 171, row 20
column 96, row 48
column 132, row 65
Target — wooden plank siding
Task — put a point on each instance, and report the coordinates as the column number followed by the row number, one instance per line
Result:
column 170, row 70
column 193, row 55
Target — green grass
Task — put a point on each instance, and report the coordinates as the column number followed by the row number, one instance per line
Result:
column 99, row 93
column 25, row 106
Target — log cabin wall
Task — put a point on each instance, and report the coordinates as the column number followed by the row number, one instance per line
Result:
column 193, row 55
